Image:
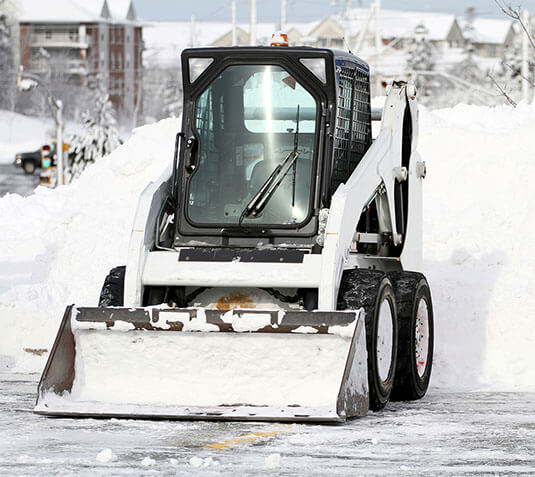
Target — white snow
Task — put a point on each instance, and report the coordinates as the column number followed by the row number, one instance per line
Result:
column 14, row 137
column 105, row 455
column 148, row 462
column 272, row 461
column 19, row 133
column 175, row 369
column 200, row 462
column 56, row 246
column 305, row 329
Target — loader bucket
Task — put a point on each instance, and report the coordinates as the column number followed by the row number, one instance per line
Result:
column 198, row 363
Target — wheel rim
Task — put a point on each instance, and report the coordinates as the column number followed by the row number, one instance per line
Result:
column 384, row 340
column 422, row 337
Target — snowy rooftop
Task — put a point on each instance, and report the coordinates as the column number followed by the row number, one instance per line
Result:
column 401, row 24
column 487, row 30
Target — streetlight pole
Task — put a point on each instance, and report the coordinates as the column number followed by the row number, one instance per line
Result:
column 27, row 82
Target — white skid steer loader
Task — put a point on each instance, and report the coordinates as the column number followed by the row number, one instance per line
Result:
column 272, row 271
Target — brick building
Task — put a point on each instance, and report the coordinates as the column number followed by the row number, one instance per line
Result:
column 71, row 41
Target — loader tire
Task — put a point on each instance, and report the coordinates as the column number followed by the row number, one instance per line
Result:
column 373, row 291
column 415, row 339
column 112, row 293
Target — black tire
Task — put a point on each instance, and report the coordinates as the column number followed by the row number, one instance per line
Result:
column 369, row 289
column 112, row 293
column 28, row 166
column 413, row 371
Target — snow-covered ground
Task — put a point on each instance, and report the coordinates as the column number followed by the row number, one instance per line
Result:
column 56, row 246
column 484, row 434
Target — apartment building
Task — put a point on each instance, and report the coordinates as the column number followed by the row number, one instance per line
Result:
column 72, row 41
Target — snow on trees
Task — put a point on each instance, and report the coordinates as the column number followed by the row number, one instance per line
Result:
column 99, row 136
column 421, row 58
column 7, row 69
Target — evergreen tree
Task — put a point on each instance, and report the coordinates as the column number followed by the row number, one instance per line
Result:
column 421, row 57
column 99, row 136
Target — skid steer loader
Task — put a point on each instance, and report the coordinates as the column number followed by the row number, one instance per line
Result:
column 272, row 272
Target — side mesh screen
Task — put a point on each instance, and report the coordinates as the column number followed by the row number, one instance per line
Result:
column 353, row 121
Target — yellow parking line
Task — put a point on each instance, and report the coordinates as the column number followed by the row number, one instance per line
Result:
column 244, row 439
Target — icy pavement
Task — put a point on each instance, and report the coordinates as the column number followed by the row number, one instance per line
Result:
column 14, row 180
column 442, row 435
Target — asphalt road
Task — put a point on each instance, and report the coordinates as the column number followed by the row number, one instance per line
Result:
column 14, row 180
column 442, row 435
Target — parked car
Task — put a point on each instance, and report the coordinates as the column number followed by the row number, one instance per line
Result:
column 29, row 161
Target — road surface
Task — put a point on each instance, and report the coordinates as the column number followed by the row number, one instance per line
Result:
column 13, row 180
column 441, row 435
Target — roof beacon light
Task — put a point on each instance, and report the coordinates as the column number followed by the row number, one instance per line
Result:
column 279, row 39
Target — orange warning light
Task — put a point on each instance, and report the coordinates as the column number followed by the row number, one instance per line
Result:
column 279, row 39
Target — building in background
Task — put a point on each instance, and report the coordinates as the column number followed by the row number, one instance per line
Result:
column 70, row 42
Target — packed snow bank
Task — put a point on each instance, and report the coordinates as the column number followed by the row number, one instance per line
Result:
column 57, row 246
column 479, row 216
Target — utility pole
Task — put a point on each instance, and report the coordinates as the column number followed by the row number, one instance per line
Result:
column 347, row 29
column 525, row 58
column 377, row 45
column 283, row 16
column 27, row 82
column 234, row 28
column 252, row 23
column 192, row 38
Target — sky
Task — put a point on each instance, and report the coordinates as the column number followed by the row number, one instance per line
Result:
column 302, row 10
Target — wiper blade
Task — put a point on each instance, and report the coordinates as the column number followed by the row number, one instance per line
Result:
column 257, row 204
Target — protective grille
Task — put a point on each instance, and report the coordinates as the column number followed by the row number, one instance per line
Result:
column 353, row 123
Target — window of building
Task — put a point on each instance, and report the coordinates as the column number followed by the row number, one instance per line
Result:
column 48, row 34
column 73, row 34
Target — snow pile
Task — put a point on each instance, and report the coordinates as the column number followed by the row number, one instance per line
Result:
column 479, row 225
column 272, row 461
column 200, row 462
column 479, row 212
column 58, row 245
column 105, row 456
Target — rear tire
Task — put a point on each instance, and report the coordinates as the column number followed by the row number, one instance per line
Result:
column 112, row 293
column 373, row 291
column 416, row 335
column 28, row 166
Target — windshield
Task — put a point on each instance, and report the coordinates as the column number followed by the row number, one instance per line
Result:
column 246, row 121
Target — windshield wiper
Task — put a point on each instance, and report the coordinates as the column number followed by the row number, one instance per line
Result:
column 259, row 201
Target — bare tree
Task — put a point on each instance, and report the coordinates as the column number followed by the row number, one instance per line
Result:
column 515, row 69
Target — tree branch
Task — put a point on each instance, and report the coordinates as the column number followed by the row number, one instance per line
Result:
column 514, row 13
column 503, row 92
column 519, row 74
